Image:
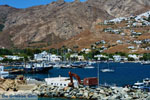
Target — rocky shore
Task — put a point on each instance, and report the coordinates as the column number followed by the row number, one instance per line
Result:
column 41, row 89
column 101, row 93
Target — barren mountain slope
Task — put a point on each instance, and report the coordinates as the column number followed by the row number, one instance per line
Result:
column 46, row 25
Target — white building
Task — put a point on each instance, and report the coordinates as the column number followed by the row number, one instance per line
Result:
column 60, row 81
column 74, row 55
column 80, row 57
column 100, row 56
column 117, row 58
column 13, row 57
column 131, row 47
column 135, row 57
column 44, row 56
column 119, row 42
column 86, row 50
column 55, row 58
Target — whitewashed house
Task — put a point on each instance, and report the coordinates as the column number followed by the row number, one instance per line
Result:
column 74, row 55
column 119, row 42
column 117, row 58
column 135, row 57
column 81, row 58
column 100, row 56
column 131, row 47
column 86, row 50
column 44, row 56
column 41, row 56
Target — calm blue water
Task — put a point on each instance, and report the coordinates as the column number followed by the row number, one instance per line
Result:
column 125, row 73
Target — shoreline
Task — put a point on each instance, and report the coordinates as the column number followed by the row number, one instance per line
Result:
column 20, row 87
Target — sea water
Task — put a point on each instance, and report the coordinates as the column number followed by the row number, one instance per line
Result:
column 124, row 73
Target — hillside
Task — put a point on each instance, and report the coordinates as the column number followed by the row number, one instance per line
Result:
column 61, row 23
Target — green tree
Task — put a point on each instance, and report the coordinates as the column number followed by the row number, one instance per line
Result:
column 1, row 27
column 131, row 59
column 148, row 18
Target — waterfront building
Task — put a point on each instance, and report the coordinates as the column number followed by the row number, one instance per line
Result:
column 135, row 57
column 117, row 58
column 60, row 81
column 44, row 56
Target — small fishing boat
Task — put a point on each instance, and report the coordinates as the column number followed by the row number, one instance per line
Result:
column 145, row 63
column 40, row 67
column 138, row 85
column 107, row 70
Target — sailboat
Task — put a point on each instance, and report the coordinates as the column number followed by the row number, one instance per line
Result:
column 107, row 70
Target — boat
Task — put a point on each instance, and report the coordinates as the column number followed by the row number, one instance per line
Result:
column 146, row 81
column 138, row 85
column 88, row 66
column 144, row 85
column 3, row 73
column 91, row 62
column 77, row 65
column 38, row 67
column 66, row 66
column 145, row 63
column 107, row 70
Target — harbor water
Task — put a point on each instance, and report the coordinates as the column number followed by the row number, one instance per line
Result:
column 124, row 73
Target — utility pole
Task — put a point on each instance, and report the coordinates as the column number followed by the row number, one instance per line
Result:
column 98, row 73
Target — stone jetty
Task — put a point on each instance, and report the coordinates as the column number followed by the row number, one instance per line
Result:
column 101, row 93
column 18, row 86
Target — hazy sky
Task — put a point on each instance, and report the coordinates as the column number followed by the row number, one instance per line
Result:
column 28, row 3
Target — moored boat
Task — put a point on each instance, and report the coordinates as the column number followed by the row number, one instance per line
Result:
column 40, row 67
column 107, row 70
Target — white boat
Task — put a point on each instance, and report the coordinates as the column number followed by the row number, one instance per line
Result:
column 3, row 73
column 146, row 81
column 107, row 70
column 145, row 63
column 91, row 62
column 138, row 85
column 89, row 66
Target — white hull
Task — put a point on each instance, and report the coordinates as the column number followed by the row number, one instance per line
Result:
column 107, row 70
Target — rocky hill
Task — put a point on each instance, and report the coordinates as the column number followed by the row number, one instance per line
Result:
column 53, row 24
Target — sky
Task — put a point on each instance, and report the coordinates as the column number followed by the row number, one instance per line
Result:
column 28, row 3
